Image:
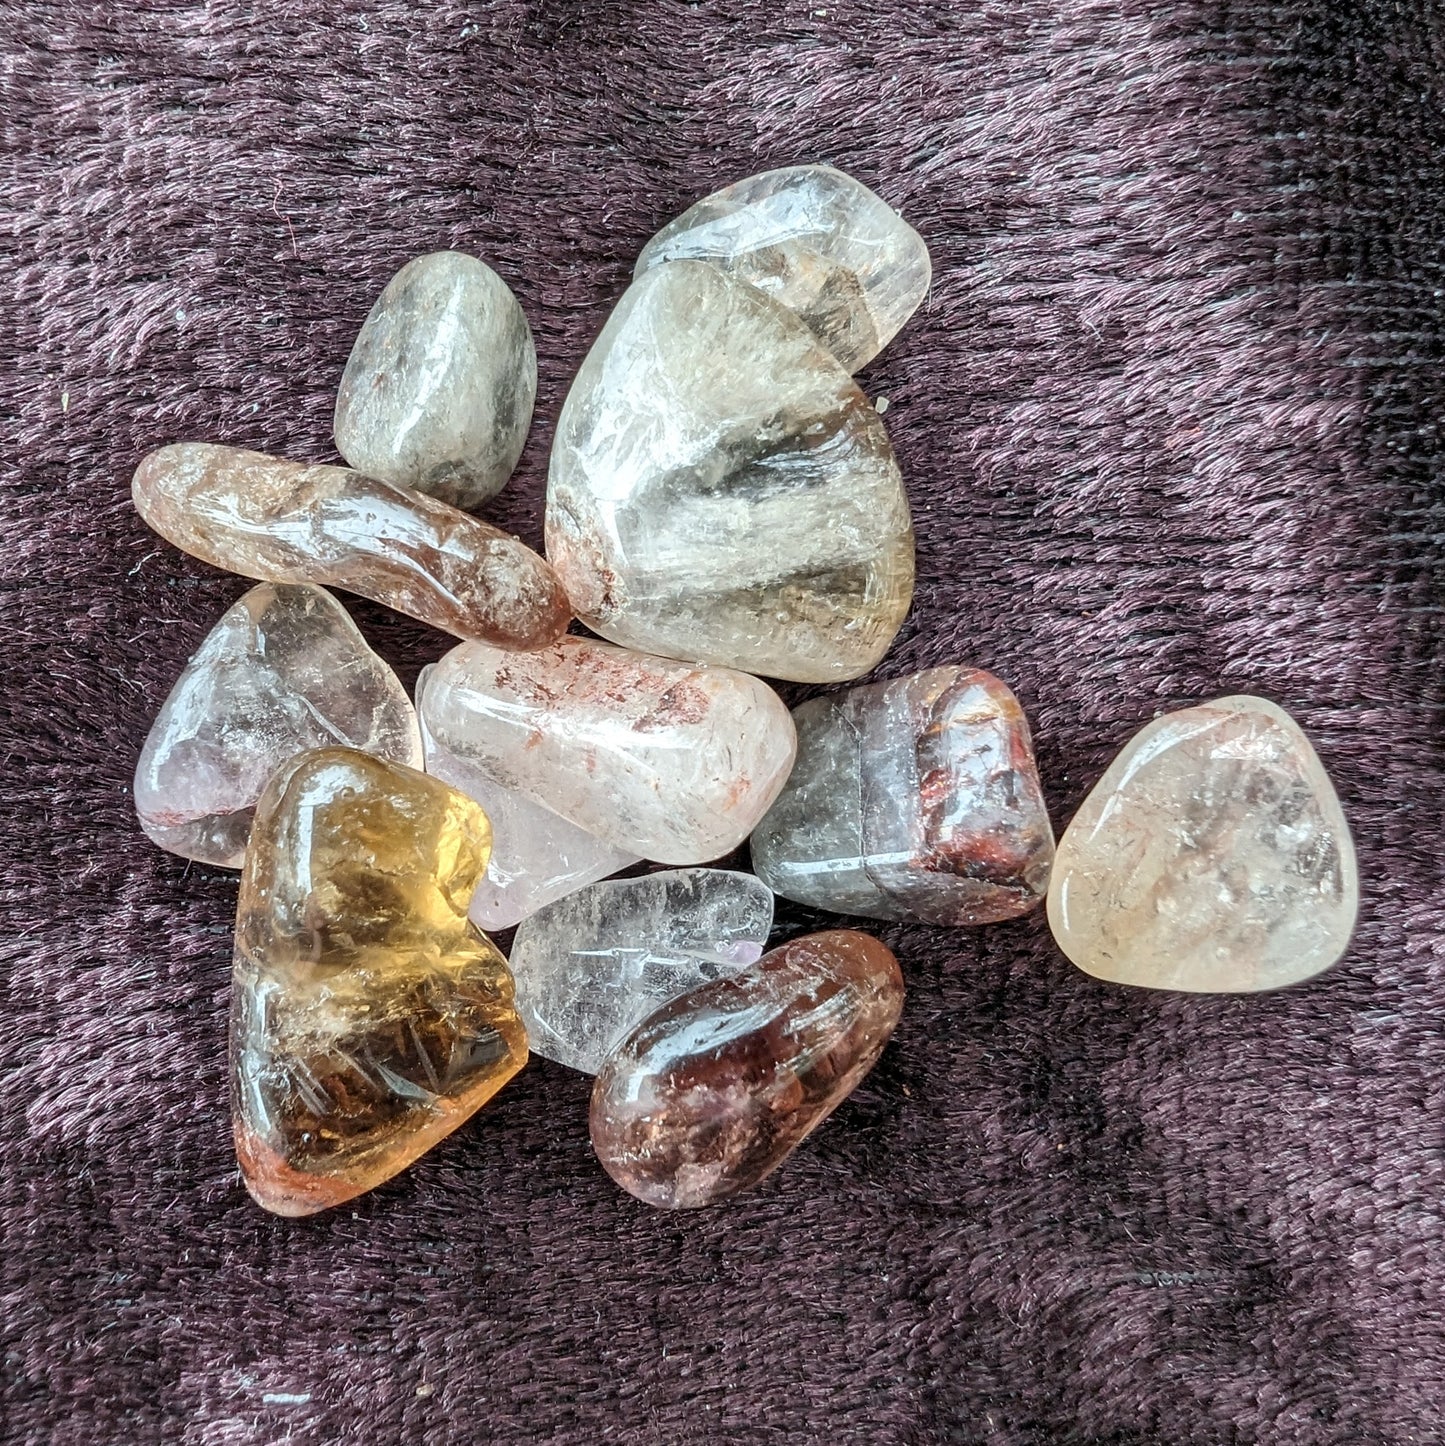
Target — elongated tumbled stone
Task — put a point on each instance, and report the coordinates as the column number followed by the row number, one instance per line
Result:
column 659, row 758
column 284, row 671
column 1212, row 856
column 293, row 522
column 913, row 799
column 721, row 491
column 815, row 240
column 369, row 1018
column 537, row 856
column 437, row 393
column 593, row 965
column 714, row 1091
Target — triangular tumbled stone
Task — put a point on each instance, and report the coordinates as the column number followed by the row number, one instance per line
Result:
column 1212, row 856
column 369, row 1017
column 285, row 670
column 721, row 491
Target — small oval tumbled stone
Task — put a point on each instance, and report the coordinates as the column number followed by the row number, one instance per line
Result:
column 662, row 759
column 369, row 1019
column 721, row 491
column 1212, row 857
column 284, row 671
column 917, row 799
column 281, row 521
column 438, row 391
column 592, row 966
column 537, row 856
column 817, row 241
column 715, row 1090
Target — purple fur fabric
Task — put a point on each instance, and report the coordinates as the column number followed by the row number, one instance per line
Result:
column 1170, row 423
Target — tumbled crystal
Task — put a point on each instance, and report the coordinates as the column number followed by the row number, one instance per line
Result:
column 369, row 1017
column 716, row 1089
column 593, row 965
column 284, row 671
column 437, row 393
column 294, row 522
column 721, row 491
column 1212, row 856
column 537, row 856
column 815, row 240
column 662, row 759
column 913, row 799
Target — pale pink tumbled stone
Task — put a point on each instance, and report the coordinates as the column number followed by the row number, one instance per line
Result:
column 668, row 760
column 1212, row 856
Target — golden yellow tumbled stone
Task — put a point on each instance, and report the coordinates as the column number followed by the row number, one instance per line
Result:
column 369, row 1018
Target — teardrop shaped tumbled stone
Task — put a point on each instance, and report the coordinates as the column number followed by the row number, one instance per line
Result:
column 721, row 491
column 1212, row 856
column 592, row 966
column 917, row 798
column 537, row 856
column 369, row 1017
column 437, row 393
column 282, row 521
column 663, row 759
column 284, row 671
column 716, row 1089
column 815, row 240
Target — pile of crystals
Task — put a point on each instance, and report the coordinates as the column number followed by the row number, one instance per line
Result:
column 723, row 502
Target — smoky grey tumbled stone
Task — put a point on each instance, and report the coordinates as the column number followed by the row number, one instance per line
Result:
column 437, row 393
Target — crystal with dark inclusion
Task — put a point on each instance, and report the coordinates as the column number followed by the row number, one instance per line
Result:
column 437, row 393
column 721, row 491
column 1212, row 857
column 913, row 799
column 712, row 1092
column 284, row 671
column 369, row 1017
column 592, row 966
column 281, row 521
column 815, row 240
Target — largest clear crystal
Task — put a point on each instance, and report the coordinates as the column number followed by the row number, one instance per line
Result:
column 720, row 490
column 816, row 240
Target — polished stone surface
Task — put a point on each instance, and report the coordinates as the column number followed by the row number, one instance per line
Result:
column 592, row 966
column 281, row 521
column 662, row 759
column 537, row 856
column 817, row 241
column 918, row 799
column 437, row 393
column 284, row 671
column 1212, row 856
column 369, row 1017
column 714, row 1091
column 721, row 491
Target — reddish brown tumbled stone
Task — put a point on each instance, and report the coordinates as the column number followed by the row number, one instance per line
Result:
column 715, row 1090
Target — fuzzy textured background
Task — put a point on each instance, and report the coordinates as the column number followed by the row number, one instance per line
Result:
column 1171, row 426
